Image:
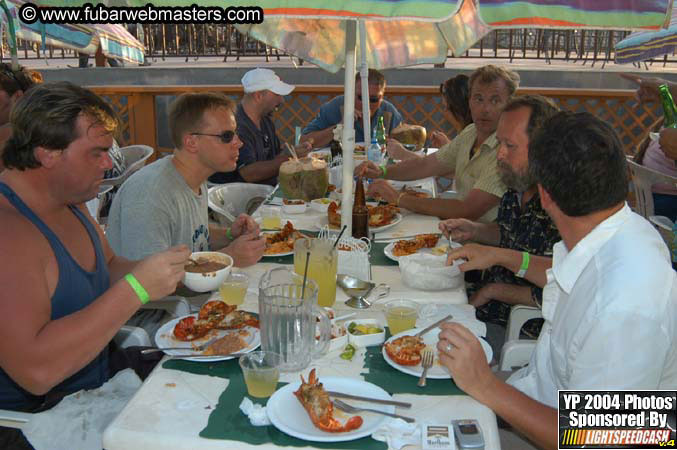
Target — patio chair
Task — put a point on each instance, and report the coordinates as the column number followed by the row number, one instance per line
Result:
column 516, row 352
column 126, row 337
column 643, row 178
column 135, row 157
column 230, row 200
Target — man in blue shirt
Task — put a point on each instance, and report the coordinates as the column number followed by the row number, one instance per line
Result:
column 320, row 130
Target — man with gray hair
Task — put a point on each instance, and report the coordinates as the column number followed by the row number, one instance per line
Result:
column 522, row 234
column 262, row 152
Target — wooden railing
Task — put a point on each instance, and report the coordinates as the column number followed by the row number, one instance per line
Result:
column 137, row 107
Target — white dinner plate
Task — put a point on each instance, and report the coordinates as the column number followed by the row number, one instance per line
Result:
column 275, row 255
column 164, row 337
column 288, row 415
column 324, row 221
column 437, row 371
column 388, row 250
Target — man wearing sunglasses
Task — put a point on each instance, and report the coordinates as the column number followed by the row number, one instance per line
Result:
column 261, row 154
column 321, row 129
column 165, row 203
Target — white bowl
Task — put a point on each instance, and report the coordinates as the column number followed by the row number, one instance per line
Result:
column 366, row 340
column 209, row 281
column 320, row 204
column 294, row 209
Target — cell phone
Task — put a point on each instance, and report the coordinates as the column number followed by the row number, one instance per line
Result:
column 468, row 434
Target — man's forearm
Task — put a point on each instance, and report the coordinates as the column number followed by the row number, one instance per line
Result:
column 444, row 208
column 512, row 260
column 262, row 170
column 534, row 419
column 415, row 169
column 511, row 294
column 217, row 237
column 488, row 233
column 320, row 138
column 118, row 267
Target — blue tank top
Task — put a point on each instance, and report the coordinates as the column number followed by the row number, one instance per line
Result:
column 76, row 289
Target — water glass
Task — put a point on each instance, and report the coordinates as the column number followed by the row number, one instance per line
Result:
column 261, row 372
column 234, row 289
column 401, row 315
column 271, row 218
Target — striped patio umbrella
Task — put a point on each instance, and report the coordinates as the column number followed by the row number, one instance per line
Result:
column 645, row 45
column 577, row 14
column 115, row 40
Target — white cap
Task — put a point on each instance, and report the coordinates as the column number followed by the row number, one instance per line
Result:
column 265, row 79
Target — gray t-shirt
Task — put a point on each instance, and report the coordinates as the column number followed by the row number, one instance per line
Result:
column 154, row 210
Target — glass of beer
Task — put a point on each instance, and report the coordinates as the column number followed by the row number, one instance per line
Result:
column 401, row 315
column 234, row 289
column 321, row 268
column 261, row 372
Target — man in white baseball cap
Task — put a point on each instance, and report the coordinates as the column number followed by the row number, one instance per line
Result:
column 262, row 153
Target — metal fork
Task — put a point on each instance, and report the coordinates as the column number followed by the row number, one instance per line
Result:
column 196, row 348
column 343, row 406
column 427, row 358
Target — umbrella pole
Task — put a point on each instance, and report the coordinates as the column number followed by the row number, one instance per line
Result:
column 364, row 82
column 348, row 138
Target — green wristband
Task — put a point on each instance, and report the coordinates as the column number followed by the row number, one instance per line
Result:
column 383, row 171
column 229, row 234
column 525, row 265
column 138, row 289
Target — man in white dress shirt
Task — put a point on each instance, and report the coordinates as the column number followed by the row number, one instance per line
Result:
column 610, row 299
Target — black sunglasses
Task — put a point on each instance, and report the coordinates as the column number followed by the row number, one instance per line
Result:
column 226, row 137
column 372, row 98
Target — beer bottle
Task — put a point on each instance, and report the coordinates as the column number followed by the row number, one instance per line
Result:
column 669, row 109
column 381, row 132
column 360, row 212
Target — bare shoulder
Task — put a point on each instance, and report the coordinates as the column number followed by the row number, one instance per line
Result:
column 20, row 240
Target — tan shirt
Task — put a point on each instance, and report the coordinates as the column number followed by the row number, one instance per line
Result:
column 476, row 173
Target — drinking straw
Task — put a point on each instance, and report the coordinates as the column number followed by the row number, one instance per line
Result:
column 305, row 276
column 338, row 238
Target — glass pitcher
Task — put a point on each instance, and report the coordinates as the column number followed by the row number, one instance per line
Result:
column 289, row 320
column 321, row 268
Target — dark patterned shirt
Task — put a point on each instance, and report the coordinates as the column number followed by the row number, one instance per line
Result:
column 525, row 230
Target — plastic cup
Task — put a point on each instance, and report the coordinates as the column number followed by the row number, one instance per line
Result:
column 261, row 372
column 234, row 289
column 401, row 315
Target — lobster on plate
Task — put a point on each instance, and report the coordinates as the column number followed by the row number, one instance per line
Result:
column 319, row 407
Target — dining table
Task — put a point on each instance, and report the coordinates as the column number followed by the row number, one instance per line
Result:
column 190, row 405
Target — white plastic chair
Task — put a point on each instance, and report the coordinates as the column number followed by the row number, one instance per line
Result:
column 516, row 352
column 643, row 178
column 230, row 200
column 135, row 157
column 126, row 337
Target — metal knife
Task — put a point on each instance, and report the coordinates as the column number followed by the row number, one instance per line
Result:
column 369, row 399
column 189, row 355
column 434, row 325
